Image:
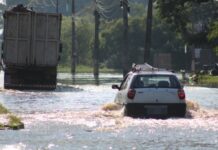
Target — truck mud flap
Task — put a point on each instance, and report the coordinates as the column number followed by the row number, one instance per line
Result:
column 30, row 79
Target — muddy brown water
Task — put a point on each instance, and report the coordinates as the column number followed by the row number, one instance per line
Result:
column 72, row 118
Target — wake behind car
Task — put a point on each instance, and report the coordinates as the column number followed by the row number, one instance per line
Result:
column 151, row 92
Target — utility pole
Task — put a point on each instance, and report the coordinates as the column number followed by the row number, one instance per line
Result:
column 57, row 6
column 125, row 50
column 74, row 41
column 96, row 44
column 148, row 31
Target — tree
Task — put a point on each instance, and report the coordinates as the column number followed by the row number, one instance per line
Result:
column 213, row 36
column 111, row 45
column 84, row 36
column 85, row 41
column 190, row 18
column 66, row 40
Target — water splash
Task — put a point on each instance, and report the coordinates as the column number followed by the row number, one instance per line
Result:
column 195, row 111
column 19, row 146
column 110, row 118
column 111, row 107
column 192, row 105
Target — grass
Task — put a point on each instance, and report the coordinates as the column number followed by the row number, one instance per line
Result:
column 14, row 121
column 1, row 126
column 85, row 69
column 3, row 110
column 208, row 80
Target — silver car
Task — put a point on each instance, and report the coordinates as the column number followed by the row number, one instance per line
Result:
column 150, row 92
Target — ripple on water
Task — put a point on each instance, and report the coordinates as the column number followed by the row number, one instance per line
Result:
column 114, row 120
column 19, row 146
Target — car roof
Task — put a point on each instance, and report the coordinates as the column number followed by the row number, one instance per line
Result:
column 146, row 69
column 153, row 73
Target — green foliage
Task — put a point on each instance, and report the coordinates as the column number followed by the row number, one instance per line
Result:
column 213, row 31
column 66, row 39
column 137, row 9
column 1, row 126
column 208, row 80
column 213, row 36
column 84, row 35
column 3, row 110
column 15, row 122
column 111, row 44
column 190, row 18
column 84, row 69
column 164, row 40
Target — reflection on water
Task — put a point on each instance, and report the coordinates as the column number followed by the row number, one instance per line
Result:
column 82, row 116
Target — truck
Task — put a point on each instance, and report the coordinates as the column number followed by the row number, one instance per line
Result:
column 31, row 49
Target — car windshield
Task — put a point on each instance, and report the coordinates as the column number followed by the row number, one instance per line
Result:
column 155, row 81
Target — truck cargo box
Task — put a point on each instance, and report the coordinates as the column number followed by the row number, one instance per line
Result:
column 31, row 43
column 31, row 38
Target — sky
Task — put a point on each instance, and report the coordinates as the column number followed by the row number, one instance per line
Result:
column 2, row 1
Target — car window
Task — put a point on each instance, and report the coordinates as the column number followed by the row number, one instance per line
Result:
column 138, row 82
column 125, row 82
column 155, row 81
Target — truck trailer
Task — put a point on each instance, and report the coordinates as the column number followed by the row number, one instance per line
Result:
column 31, row 49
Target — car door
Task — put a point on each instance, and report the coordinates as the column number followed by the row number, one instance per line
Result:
column 167, row 89
column 121, row 94
column 144, row 88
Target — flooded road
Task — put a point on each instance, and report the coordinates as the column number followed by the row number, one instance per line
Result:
column 72, row 118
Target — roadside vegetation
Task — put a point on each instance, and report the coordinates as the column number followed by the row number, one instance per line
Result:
column 85, row 69
column 3, row 110
column 208, row 80
column 9, row 120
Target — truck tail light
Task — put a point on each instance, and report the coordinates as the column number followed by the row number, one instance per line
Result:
column 131, row 93
column 181, row 94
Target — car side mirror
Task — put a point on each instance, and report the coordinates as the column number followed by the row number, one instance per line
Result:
column 115, row 87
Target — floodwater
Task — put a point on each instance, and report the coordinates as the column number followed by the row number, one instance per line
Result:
column 72, row 118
